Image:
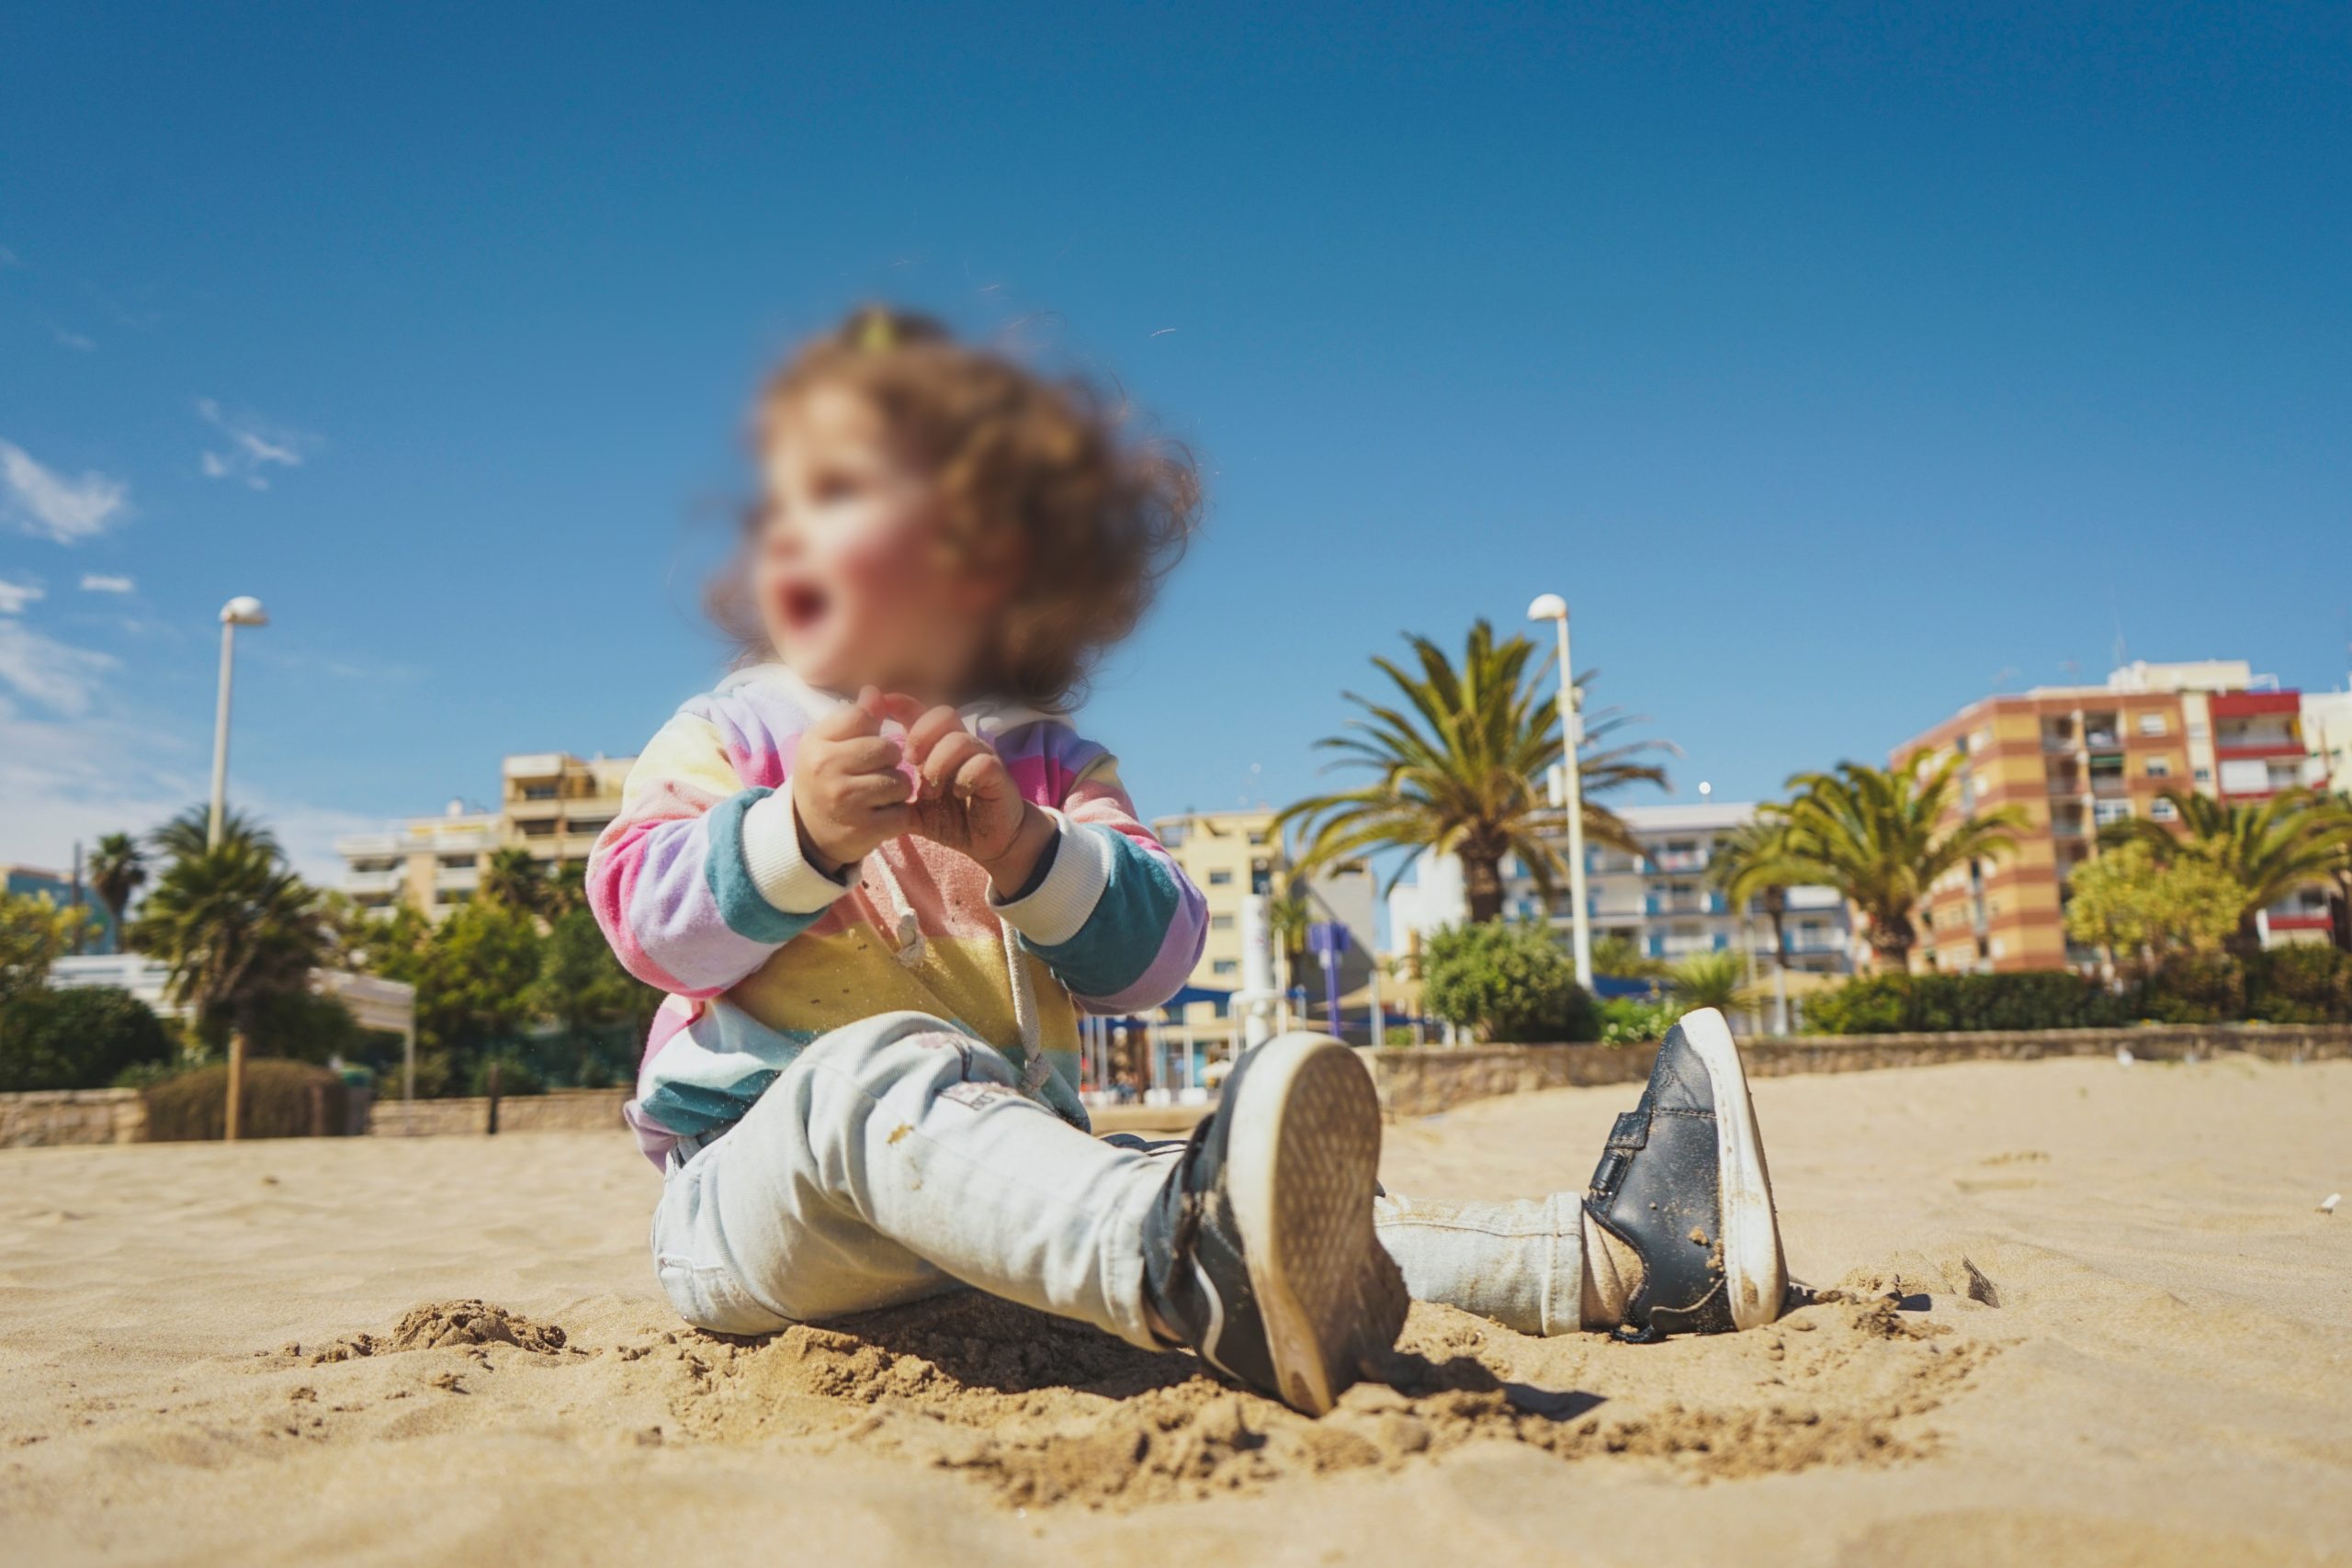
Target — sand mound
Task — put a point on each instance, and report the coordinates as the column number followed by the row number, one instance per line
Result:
column 1047, row 1413
column 441, row 1326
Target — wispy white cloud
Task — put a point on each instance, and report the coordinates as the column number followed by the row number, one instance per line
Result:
column 104, row 583
column 55, row 674
column 254, row 447
column 40, row 500
column 15, row 596
column 67, row 338
column 70, row 780
column 8, row 257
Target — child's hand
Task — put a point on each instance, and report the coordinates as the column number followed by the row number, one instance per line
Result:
column 968, row 801
column 847, row 789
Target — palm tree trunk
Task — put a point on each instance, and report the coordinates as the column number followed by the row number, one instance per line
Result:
column 1892, row 939
column 1482, row 887
column 1780, row 966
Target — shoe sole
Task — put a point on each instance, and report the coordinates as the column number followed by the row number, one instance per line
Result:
column 1303, row 1165
column 1755, row 1272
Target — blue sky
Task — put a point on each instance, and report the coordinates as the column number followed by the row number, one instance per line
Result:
column 1839, row 370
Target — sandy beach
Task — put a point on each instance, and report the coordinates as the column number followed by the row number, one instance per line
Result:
column 2076, row 1313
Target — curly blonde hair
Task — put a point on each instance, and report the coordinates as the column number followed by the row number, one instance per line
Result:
column 1035, row 475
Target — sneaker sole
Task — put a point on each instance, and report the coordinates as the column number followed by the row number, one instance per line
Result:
column 1330, row 1297
column 1755, row 1272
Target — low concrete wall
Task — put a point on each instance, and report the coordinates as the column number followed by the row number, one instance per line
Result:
column 72, row 1116
column 1419, row 1082
column 559, row 1110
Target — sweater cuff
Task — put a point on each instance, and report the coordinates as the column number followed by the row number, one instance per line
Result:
column 1051, row 913
column 773, row 856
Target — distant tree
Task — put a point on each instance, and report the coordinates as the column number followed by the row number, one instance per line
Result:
column 1709, row 979
column 2138, row 906
column 2268, row 850
column 34, row 934
column 582, row 985
column 1459, row 756
column 1882, row 836
column 513, row 878
column 1619, row 958
column 236, row 927
column 185, row 836
column 117, row 870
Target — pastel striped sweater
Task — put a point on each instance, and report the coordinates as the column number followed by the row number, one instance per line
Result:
column 701, row 887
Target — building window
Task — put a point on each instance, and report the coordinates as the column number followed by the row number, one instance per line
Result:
column 1220, row 879
column 2160, row 767
column 2202, row 775
column 1220, row 922
column 539, row 792
column 457, row 862
column 2199, row 731
column 1225, row 968
column 2152, row 723
column 2161, row 810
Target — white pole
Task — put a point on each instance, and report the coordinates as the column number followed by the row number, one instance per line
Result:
column 220, row 736
column 1572, row 745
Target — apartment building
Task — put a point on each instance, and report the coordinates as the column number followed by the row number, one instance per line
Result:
column 2327, row 737
column 551, row 804
column 1660, row 898
column 1231, row 856
column 2073, row 760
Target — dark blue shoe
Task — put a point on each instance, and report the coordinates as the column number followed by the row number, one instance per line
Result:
column 1683, row 1183
column 1260, row 1252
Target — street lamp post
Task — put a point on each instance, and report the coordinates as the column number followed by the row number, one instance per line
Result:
column 1552, row 607
column 242, row 611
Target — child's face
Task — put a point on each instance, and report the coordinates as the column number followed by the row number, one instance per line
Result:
column 855, row 583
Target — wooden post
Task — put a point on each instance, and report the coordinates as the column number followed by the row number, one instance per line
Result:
column 319, row 1128
column 236, row 1081
column 492, row 1129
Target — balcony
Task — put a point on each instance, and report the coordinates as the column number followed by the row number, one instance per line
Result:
column 1673, row 860
column 360, row 884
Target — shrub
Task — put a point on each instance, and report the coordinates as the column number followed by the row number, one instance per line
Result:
column 1889, row 1004
column 1511, row 983
column 80, row 1037
column 2307, row 983
column 1630, row 1021
column 2195, row 988
column 282, row 1100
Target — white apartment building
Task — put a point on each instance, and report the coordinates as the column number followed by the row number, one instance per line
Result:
column 1660, row 899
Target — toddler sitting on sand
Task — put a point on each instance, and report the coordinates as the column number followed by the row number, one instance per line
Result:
column 879, row 874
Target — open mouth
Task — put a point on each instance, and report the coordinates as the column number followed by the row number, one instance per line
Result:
column 802, row 604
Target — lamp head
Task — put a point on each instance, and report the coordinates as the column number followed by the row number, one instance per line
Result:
column 244, row 610
column 1548, row 607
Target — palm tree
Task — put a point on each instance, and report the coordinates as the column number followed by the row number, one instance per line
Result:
column 1460, row 764
column 117, row 870
column 1882, row 836
column 236, row 927
column 2295, row 837
column 189, row 835
column 513, row 878
column 1757, row 863
column 1710, row 980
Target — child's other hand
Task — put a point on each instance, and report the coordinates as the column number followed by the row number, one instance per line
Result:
column 847, row 789
column 968, row 801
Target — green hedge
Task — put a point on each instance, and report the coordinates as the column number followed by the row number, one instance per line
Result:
column 283, row 1099
column 80, row 1037
column 2288, row 985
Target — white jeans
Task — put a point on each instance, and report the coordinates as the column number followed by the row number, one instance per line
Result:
column 896, row 1159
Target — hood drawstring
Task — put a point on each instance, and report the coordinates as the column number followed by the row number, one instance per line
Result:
column 911, row 950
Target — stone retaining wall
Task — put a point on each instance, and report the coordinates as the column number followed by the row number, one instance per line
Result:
column 72, row 1116
column 1423, row 1081
column 558, row 1111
